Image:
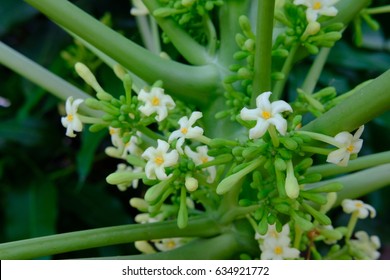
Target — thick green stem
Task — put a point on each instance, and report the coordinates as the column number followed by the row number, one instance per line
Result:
column 263, row 57
column 327, row 170
column 190, row 49
column 347, row 10
column 42, row 77
column 67, row 242
column 191, row 83
column 364, row 105
column 225, row 246
column 360, row 183
column 228, row 28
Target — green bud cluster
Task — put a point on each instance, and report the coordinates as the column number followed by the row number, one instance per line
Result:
column 188, row 14
column 299, row 31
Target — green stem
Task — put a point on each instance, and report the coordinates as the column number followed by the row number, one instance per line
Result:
column 190, row 49
column 263, row 57
column 347, row 10
column 67, row 242
column 191, row 83
column 360, row 183
column 315, row 71
column 351, row 225
column 278, row 87
column 42, row 77
column 364, row 105
column 327, row 170
column 229, row 14
column 225, row 246
column 378, row 10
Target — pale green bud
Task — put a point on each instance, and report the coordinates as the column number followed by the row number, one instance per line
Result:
column 122, row 177
column 86, row 74
column 291, row 183
column 191, row 184
column 139, row 204
column 144, row 247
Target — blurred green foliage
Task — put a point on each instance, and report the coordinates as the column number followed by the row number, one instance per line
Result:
column 51, row 184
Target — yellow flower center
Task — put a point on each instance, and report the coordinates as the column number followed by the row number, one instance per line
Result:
column 184, row 130
column 159, row 160
column 112, row 131
column 359, row 205
column 69, row 117
column 278, row 250
column 155, row 101
column 350, row 148
column 171, row 244
column 317, row 5
column 266, row 115
column 204, row 159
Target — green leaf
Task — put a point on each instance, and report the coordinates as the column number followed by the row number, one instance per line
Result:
column 32, row 211
column 85, row 157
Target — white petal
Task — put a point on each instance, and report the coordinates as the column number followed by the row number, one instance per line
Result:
column 194, row 132
column 162, row 146
column 250, row 114
column 280, row 106
column 171, row 158
column 279, row 123
column 149, row 153
column 337, row 156
column 183, row 122
column 175, row 135
column 328, row 11
column 262, row 101
column 357, row 146
column 311, row 15
column 358, row 132
column 344, row 138
column 259, row 129
column 180, row 143
column 160, row 172
column 194, row 117
column 162, row 113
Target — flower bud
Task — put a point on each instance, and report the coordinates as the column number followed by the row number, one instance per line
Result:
column 291, row 184
column 86, row 74
column 191, row 184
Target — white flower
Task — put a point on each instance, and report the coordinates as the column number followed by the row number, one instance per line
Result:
column 116, row 140
column 122, row 149
column 156, row 102
column 125, row 168
column 368, row 245
column 200, row 157
column 348, row 144
column 168, row 244
column 159, row 158
column 72, row 121
column 186, row 131
column 318, row 7
column 363, row 209
column 266, row 114
column 131, row 147
column 139, row 8
column 278, row 249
